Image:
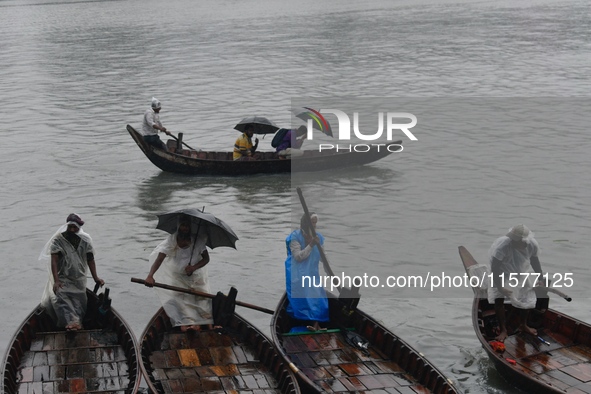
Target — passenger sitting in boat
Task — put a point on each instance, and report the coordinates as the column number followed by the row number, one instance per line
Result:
column 152, row 125
column 292, row 142
column 514, row 253
column 243, row 147
column 307, row 301
column 182, row 257
column 71, row 255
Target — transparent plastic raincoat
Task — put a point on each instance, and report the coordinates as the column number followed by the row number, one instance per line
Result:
column 514, row 260
column 69, row 304
column 183, row 309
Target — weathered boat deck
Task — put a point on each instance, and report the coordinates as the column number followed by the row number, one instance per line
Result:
column 337, row 367
column 86, row 361
column 564, row 364
column 209, row 361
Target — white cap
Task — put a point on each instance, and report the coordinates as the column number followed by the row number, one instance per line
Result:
column 519, row 232
column 155, row 103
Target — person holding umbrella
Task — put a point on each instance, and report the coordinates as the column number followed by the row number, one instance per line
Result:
column 181, row 261
column 243, row 147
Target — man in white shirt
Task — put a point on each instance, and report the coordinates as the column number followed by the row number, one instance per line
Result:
column 152, row 125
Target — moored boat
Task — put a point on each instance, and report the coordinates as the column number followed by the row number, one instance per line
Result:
column 360, row 355
column 557, row 360
column 236, row 357
column 101, row 358
column 194, row 162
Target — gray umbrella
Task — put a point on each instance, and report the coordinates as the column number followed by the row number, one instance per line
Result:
column 260, row 124
column 218, row 232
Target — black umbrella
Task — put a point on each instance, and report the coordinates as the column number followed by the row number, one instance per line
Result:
column 260, row 124
column 218, row 232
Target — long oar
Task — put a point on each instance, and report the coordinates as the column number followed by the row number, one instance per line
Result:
column 201, row 294
column 313, row 231
column 170, row 135
column 349, row 297
column 558, row 292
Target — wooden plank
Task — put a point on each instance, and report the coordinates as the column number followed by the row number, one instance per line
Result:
column 211, row 384
column 204, row 356
column 172, row 359
column 175, row 374
column 188, row 358
column 232, row 383
column 157, row 360
column 192, row 385
column 310, row 343
column 352, row 384
column 563, row 377
column 355, row 369
column 332, row 385
column 370, row 382
column 225, row 370
column 388, row 366
column 223, row 356
column 294, row 345
column 581, row 372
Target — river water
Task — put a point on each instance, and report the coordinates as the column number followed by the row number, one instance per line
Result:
column 499, row 88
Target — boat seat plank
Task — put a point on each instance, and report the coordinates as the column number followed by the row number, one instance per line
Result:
column 581, row 372
column 355, row 369
column 563, row 377
column 370, row 382
column 388, row 366
column 303, row 360
column 517, row 347
column 585, row 387
column 204, row 356
column 188, row 358
column 332, row 386
column 575, row 390
column 239, row 354
column 352, row 384
column 294, row 344
column 223, row 356
column 210, row 384
column 310, row 342
column 225, row 370
column 566, row 356
column 172, row 358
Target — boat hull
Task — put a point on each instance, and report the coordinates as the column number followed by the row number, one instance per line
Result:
column 102, row 357
column 236, row 357
column 563, row 365
column 327, row 362
column 183, row 161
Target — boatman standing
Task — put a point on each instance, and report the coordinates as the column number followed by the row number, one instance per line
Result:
column 152, row 125
column 515, row 253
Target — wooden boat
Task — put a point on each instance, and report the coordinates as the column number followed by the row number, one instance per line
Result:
column 361, row 356
column 186, row 161
column 559, row 361
column 237, row 357
column 101, row 358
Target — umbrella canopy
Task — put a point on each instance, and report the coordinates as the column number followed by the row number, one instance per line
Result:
column 318, row 121
column 260, row 124
column 218, row 232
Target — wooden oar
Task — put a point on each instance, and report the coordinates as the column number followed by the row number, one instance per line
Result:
column 558, row 292
column 201, row 294
column 170, row 135
column 348, row 297
column 313, row 232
